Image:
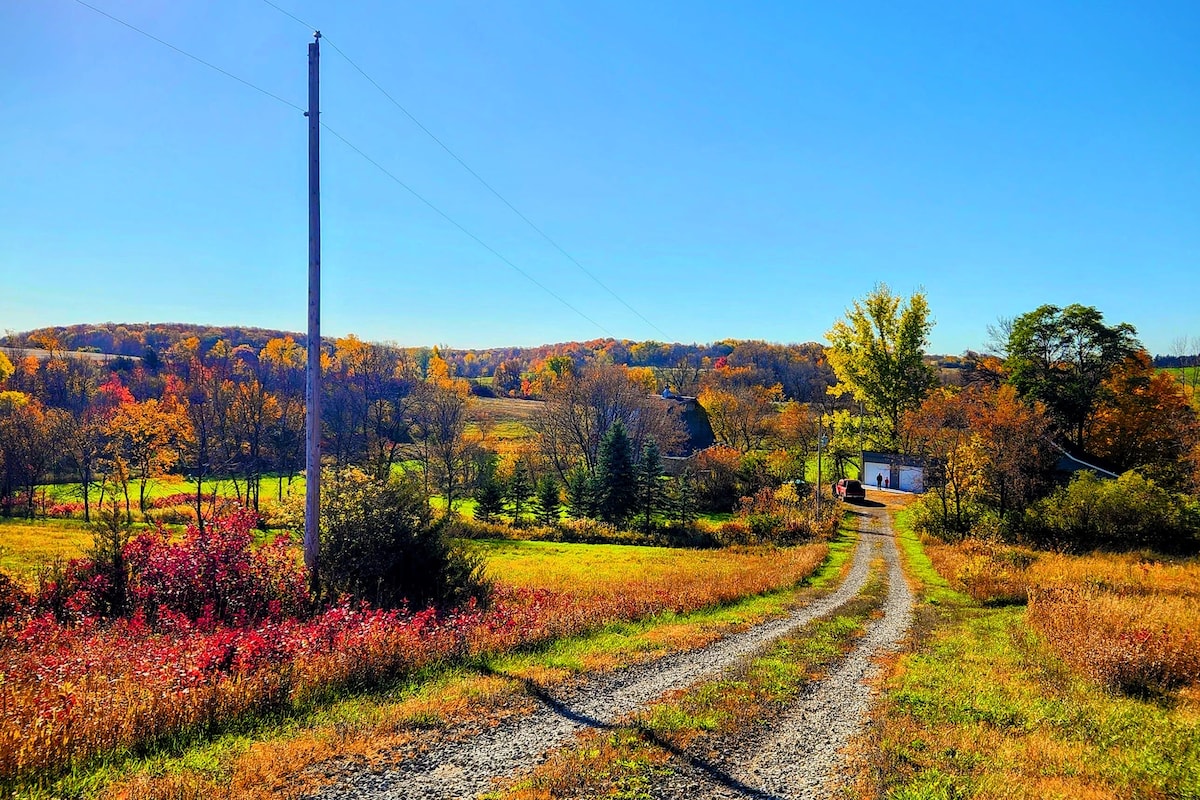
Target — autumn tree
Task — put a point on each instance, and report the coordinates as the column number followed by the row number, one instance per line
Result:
column 877, row 354
column 254, row 413
column 581, row 408
column 740, row 416
column 439, row 410
column 1012, row 443
column 506, row 379
column 1144, row 421
column 282, row 363
column 28, row 448
column 940, row 429
column 1062, row 357
column 146, row 436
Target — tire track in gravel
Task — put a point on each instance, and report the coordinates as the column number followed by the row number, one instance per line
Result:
column 469, row 768
column 798, row 754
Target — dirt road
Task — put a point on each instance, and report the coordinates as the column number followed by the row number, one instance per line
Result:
column 828, row 717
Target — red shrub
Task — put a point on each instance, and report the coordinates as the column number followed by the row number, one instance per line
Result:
column 215, row 575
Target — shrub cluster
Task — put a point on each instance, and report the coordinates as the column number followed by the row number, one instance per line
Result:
column 1127, row 513
column 778, row 516
column 379, row 543
column 210, row 576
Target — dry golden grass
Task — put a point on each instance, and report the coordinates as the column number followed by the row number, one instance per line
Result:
column 1127, row 622
column 27, row 546
column 1006, row 702
column 987, row 572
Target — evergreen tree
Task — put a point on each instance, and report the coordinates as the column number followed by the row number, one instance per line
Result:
column 616, row 476
column 683, row 499
column 651, row 495
column 518, row 490
column 489, row 494
column 581, row 494
column 548, row 501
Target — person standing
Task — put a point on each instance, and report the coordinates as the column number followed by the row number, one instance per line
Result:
column 879, row 480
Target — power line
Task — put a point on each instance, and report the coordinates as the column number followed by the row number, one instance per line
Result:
column 193, row 57
column 473, row 173
column 353, row 147
column 468, row 233
column 287, row 13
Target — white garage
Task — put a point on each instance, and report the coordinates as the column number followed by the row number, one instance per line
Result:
column 893, row 471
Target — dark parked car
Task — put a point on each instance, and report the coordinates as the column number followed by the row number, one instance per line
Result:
column 848, row 489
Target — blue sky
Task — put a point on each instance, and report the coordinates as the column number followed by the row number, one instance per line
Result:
column 728, row 169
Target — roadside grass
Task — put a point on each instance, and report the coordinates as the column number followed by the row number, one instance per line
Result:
column 288, row 754
column 983, row 706
column 696, row 723
column 585, row 570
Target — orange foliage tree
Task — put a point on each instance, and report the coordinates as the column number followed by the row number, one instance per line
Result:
column 1145, row 422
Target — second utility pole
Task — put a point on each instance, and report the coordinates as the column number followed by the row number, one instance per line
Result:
column 312, row 384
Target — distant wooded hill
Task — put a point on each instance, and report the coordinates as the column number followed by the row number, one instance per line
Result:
column 799, row 369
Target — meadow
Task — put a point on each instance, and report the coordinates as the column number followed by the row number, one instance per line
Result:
column 81, row 695
column 1041, row 675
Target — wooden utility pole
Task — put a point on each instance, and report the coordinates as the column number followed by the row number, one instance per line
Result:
column 312, row 388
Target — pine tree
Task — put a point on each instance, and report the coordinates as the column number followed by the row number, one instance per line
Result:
column 651, row 496
column 518, row 490
column 489, row 496
column 581, row 494
column 683, row 499
column 548, row 501
column 616, row 476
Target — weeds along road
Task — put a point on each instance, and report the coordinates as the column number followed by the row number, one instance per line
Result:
column 471, row 767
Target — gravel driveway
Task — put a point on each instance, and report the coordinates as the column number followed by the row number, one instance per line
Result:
column 797, row 755
column 471, row 767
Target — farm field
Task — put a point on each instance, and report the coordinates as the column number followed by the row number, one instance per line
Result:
column 627, row 603
column 1037, row 675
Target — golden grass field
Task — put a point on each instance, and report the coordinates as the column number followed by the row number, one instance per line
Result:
column 1089, row 691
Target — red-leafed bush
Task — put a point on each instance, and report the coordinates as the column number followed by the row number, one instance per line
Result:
column 65, row 510
column 208, row 577
column 215, row 575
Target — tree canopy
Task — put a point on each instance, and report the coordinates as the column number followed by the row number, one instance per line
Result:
column 1063, row 356
column 877, row 353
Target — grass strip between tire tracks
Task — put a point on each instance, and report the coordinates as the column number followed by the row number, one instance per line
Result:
column 625, row 761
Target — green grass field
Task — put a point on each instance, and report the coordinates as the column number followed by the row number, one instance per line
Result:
column 28, row 546
column 175, row 484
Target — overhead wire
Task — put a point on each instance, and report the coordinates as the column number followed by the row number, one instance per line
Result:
column 472, row 172
column 353, row 147
column 192, row 56
column 468, row 233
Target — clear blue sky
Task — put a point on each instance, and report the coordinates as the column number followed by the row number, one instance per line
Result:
column 729, row 169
